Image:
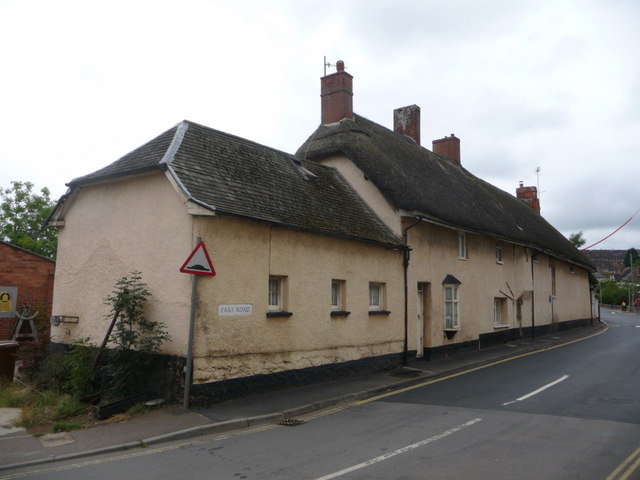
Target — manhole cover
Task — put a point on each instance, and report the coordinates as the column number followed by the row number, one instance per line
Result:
column 291, row 422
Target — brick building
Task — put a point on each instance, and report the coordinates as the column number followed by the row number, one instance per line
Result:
column 25, row 279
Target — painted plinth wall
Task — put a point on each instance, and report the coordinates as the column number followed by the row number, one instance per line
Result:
column 552, row 291
column 142, row 224
column 111, row 230
column 560, row 291
column 245, row 254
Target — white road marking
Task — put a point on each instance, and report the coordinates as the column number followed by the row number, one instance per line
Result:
column 535, row 392
column 387, row 456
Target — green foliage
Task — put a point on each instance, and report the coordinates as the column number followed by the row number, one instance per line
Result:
column 632, row 253
column 23, row 216
column 32, row 353
column 39, row 407
column 613, row 293
column 66, row 427
column 135, row 336
column 133, row 330
column 81, row 378
column 577, row 239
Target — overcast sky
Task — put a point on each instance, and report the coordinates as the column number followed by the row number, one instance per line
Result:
column 524, row 84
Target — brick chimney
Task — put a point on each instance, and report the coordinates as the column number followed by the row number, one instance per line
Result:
column 448, row 147
column 336, row 92
column 406, row 121
column 529, row 195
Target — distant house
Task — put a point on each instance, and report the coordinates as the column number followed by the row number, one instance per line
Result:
column 360, row 250
column 609, row 264
column 26, row 280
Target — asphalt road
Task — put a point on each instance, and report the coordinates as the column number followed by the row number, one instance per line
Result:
column 567, row 413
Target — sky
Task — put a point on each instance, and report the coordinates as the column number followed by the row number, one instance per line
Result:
column 543, row 92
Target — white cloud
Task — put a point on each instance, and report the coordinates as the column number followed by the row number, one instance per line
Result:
column 523, row 84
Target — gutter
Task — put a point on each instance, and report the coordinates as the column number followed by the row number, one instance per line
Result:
column 533, row 246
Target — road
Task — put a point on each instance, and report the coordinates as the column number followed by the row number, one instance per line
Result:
column 571, row 412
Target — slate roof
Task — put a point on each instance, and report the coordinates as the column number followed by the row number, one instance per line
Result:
column 234, row 176
column 434, row 188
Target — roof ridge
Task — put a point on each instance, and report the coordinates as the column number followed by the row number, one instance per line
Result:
column 169, row 155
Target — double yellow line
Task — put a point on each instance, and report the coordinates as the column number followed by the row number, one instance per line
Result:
column 626, row 468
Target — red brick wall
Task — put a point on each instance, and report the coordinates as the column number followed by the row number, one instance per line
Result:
column 33, row 276
column 336, row 92
column 530, row 196
column 448, row 147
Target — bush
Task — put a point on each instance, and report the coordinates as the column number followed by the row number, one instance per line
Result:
column 613, row 293
column 135, row 336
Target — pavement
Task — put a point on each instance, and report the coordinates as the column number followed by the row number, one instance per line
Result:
column 18, row 448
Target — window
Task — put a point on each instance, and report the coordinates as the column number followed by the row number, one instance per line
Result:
column 451, row 307
column 276, row 293
column 500, row 312
column 337, row 295
column 462, row 246
column 499, row 255
column 376, row 296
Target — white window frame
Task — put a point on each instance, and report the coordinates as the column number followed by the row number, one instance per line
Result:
column 376, row 296
column 276, row 293
column 463, row 252
column 499, row 258
column 337, row 295
column 499, row 311
column 451, row 307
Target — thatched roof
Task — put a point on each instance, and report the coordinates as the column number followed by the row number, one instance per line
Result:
column 423, row 184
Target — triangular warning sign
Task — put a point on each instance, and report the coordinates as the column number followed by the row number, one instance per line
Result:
column 199, row 262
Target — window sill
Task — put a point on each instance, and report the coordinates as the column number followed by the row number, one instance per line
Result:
column 340, row 313
column 450, row 332
column 379, row 312
column 500, row 326
column 278, row 314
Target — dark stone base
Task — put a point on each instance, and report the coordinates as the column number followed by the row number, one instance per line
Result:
column 500, row 337
column 203, row 395
column 446, row 351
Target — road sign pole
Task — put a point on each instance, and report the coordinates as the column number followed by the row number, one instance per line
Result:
column 192, row 322
column 198, row 263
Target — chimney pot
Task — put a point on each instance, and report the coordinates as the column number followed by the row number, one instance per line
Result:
column 340, row 66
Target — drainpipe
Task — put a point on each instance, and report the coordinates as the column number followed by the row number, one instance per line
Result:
column 405, row 265
column 533, row 296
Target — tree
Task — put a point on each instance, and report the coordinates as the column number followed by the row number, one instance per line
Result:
column 135, row 336
column 577, row 239
column 23, row 216
column 613, row 293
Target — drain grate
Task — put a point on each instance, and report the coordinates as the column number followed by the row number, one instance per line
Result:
column 291, row 422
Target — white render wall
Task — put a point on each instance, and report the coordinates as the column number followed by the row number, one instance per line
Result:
column 142, row 223
column 111, row 230
column 244, row 254
column 434, row 255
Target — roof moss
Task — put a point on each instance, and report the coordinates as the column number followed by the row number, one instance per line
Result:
column 431, row 186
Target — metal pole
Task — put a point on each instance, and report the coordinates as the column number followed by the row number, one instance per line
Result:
column 192, row 321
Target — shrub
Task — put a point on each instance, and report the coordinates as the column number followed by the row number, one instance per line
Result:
column 135, row 336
